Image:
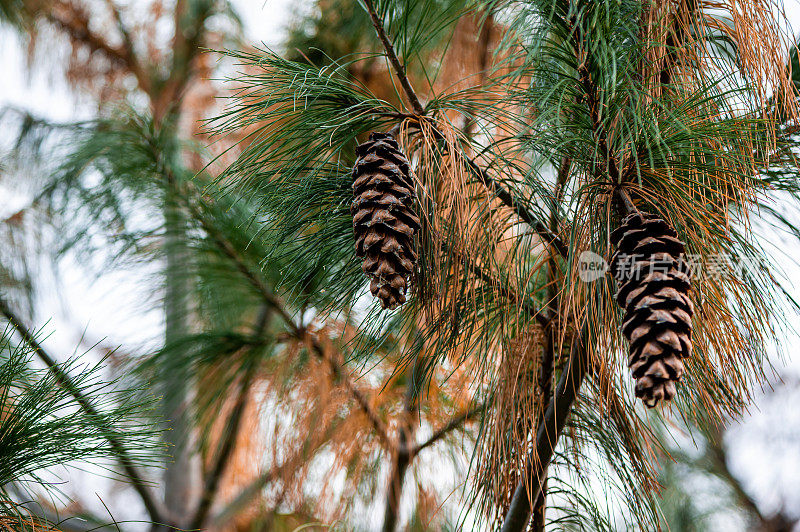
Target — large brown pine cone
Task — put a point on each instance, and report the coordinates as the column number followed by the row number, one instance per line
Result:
column 654, row 284
column 384, row 221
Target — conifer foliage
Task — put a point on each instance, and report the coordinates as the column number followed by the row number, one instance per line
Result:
column 383, row 217
column 516, row 127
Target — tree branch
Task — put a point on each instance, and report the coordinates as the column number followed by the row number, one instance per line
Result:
column 549, row 348
column 402, row 453
column 228, row 439
column 139, row 484
column 76, row 25
column 502, row 289
column 299, row 333
column 393, row 59
column 40, row 510
column 223, row 454
column 484, row 40
column 504, row 195
column 501, row 192
column 555, row 419
column 127, row 41
column 455, row 423
column 186, row 42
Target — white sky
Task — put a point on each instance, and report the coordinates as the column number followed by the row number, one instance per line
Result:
column 109, row 308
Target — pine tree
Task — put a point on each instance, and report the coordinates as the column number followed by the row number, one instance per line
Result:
column 586, row 114
column 132, row 190
column 532, row 132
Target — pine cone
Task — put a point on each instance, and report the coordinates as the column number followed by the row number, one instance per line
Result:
column 384, row 221
column 654, row 283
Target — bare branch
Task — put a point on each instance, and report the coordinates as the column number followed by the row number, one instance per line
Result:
column 124, row 459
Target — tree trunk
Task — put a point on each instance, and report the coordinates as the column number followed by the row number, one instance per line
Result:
column 405, row 442
column 181, row 475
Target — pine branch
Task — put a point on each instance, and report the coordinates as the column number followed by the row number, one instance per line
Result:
column 548, row 360
column 505, row 291
column 339, row 373
column 393, row 59
column 76, row 25
column 402, row 453
column 301, row 334
column 139, row 484
column 187, row 40
column 228, row 441
column 455, row 423
column 223, row 454
column 555, row 419
column 716, row 463
column 502, row 194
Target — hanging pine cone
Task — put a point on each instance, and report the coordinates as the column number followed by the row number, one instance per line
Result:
column 654, row 283
column 384, row 221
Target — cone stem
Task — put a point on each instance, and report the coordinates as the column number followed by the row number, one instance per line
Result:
column 625, row 200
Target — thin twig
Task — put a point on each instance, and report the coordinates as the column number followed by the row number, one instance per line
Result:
column 40, row 510
column 123, row 30
column 455, row 423
column 393, row 59
column 628, row 207
column 124, row 459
